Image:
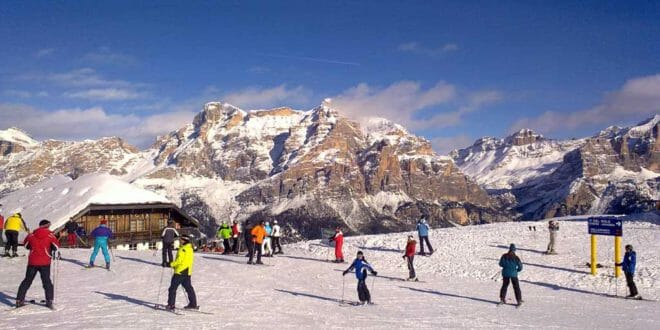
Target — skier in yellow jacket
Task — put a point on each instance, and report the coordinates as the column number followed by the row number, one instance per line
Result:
column 13, row 225
column 183, row 265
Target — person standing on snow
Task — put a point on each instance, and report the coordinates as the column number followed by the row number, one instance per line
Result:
column 247, row 236
column 13, row 225
column 224, row 233
column 511, row 265
column 101, row 235
column 168, row 236
column 266, row 248
column 338, row 238
column 183, row 265
column 423, row 233
column 71, row 228
column 276, row 234
column 628, row 265
column 553, row 228
column 361, row 266
column 40, row 243
column 258, row 234
column 409, row 256
column 235, row 237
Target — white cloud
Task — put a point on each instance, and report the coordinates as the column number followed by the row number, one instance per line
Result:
column 83, row 77
column 44, row 52
column 106, row 94
column 637, row 98
column 403, row 101
column 104, row 55
column 443, row 145
column 417, row 48
column 255, row 97
column 91, row 123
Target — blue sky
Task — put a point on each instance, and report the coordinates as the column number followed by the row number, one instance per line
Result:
column 450, row 71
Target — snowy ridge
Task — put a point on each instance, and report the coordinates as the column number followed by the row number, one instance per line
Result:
column 15, row 135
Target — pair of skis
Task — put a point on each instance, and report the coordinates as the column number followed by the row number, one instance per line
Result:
column 41, row 303
column 177, row 311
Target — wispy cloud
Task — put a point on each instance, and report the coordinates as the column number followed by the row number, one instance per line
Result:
column 312, row 59
column 106, row 94
column 444, row 144
column 44, row 52
column 403, row 101
column 91, row 123
column 417, row 48
column 256, row 97
column 104, row 55
column 636, row 98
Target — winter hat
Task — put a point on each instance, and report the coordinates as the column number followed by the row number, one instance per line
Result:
column 359, row 253
column 629, row 247
column 512, row 247
column 44, row 223
column 104, row 222
column 186, row 238
column 410, row 237
column 170, row 221
column 274, row 222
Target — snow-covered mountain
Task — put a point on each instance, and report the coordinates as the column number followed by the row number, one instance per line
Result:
column 615, row 171
column 310, row 169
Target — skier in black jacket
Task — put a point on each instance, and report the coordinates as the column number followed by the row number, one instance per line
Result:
column 169, row 235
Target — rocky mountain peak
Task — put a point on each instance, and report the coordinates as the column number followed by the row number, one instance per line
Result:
column 15, row 140
column 523, row 137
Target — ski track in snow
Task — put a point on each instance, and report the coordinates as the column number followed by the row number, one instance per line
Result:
column 302, row 290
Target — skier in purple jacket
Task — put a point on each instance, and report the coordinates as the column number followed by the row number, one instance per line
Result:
column 101, row 234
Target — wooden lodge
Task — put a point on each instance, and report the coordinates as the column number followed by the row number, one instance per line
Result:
column 134, row 225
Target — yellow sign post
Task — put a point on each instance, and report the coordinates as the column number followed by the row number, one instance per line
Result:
column 617, row 256
column 593, row 254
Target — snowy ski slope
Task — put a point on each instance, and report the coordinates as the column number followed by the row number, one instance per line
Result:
column 301, row 290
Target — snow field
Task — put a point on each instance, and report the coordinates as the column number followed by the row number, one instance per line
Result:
column 300, row 289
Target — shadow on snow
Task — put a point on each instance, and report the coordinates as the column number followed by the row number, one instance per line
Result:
column 140, row 260
column 309, row 295
column 451, row 295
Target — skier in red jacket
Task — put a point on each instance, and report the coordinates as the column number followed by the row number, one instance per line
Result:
column 40, row 242
column 339, row 242
column 410, row 256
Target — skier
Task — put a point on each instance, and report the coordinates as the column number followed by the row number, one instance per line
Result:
column 361, row 265
column 101, row 234
column 423, row 233
column 553, row 228
column 258, row 234
column 224, row 233
column 183, row 265
column 13, row 225
column 277, row 233
column 40, row 243
column 409, row 256
column 235, row 234
column 338, row 238
column 71, row 228
column 628, row 265
column 247, row 236
column 511, row 265
column 266, row 248
column 168, row 236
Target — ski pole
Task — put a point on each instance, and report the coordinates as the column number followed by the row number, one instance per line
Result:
column 343, row 282
column 160, row 284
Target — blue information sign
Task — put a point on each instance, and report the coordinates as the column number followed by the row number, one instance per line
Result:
column 605, row 226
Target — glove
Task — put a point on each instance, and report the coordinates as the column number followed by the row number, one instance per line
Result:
column 344, row 273
column 375, row 273
column 404, row 257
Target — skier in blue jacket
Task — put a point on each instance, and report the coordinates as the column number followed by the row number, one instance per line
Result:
column 361, row 266
column 628, row 265
column 423, row 232
column 101, row 234
column 511, row 265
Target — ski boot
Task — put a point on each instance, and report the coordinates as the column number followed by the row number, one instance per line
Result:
column 191, row 307
column 19, row 303
column 49, row 304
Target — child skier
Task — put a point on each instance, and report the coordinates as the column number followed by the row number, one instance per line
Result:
column 409, row 256
column 511, row 265
column 361, row 266
column 101, row 234
column 338, row 238
column 40, row 244
column 183, row 265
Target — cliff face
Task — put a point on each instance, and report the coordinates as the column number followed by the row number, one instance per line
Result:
column 616, row 171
